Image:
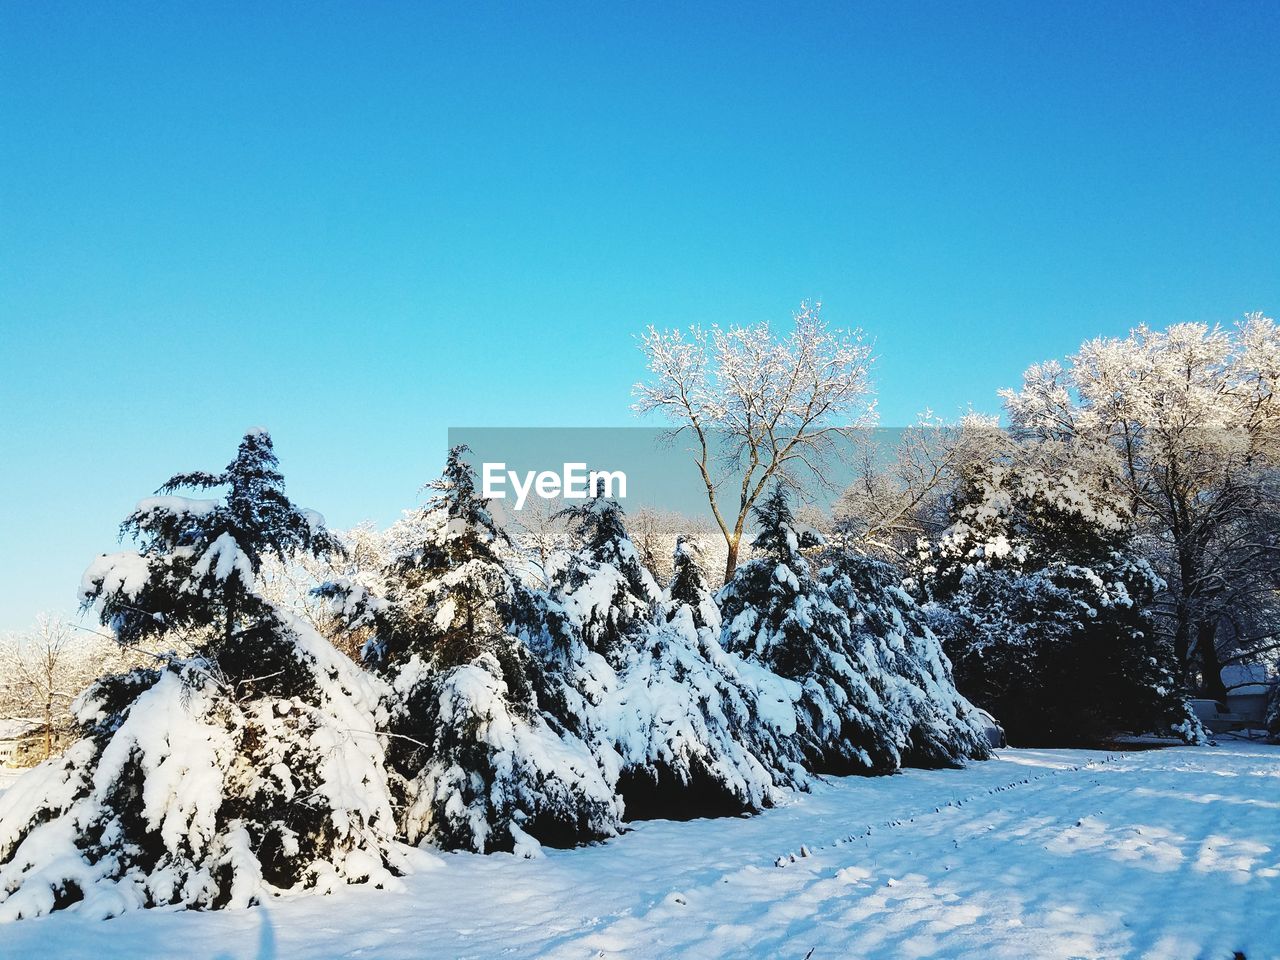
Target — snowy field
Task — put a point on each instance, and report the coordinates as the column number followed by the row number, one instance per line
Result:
column 1065, row 853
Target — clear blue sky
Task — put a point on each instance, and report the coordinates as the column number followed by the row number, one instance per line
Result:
column 361, row 224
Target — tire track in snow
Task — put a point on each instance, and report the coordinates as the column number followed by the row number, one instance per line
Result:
column 807, row 851
column 798, row 894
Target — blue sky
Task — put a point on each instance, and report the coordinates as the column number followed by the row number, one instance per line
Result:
column 361, row 224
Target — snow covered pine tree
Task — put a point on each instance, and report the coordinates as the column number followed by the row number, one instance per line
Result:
column 215, row 780
column 871, row 688
column 931, row 723
column 1040, row 602
column 476, row 763
column 684, row 729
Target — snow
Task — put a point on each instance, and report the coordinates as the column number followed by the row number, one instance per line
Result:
column 1165, row 853
column 172, row 504
column 1246, row 679
column 224, row 558
column 15, row 727
column 125, row 573
column 183, row 758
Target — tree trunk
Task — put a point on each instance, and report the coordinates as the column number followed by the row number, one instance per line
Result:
column 1182, row 647
column 48, row 728
column 731, row 560
column 1210, row 665
column 1188, row 578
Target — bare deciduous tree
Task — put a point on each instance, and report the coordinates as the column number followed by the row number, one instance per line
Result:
column 44, row 669
column 899, row 495
column 538, row 532
column 760, row 408
column 655, row 533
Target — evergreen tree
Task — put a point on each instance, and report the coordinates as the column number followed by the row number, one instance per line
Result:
column 777, row 613
column 932, row 724
column 606, row 592
column 1041, row 601
column 673, row 720
column 477, row 763
column 211, row 781
column 688, row 588
column 198, row 559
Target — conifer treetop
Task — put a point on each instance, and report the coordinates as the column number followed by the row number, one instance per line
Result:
column 777, row 537
column 198, row 559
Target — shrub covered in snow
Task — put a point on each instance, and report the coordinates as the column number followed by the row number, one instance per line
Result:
column 209, row 781
column 677, row 721
column 1041, row 604
column 608, row 596
column 487, row 713
column 476, row 763
column 932, row 724
column 874, row 691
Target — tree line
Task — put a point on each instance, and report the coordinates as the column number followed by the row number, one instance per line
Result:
column 1171, row 438
column 303, row 703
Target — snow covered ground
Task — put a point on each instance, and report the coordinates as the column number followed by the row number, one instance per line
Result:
column 1065, row 853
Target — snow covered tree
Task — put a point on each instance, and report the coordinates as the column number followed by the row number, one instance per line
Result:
column 677, row 723
column 199, row 559
column 903, row 479
column 1185, row 423
column 42, row 671
column 605, row 590
column 1040, row 599
column 777, row 613
column 478, row 765
column 290, row 583
column 688, row 587
column 931, row 723
column 217, row 779
column 758, row 408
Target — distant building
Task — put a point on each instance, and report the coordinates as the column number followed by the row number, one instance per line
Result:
column 22, row 742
